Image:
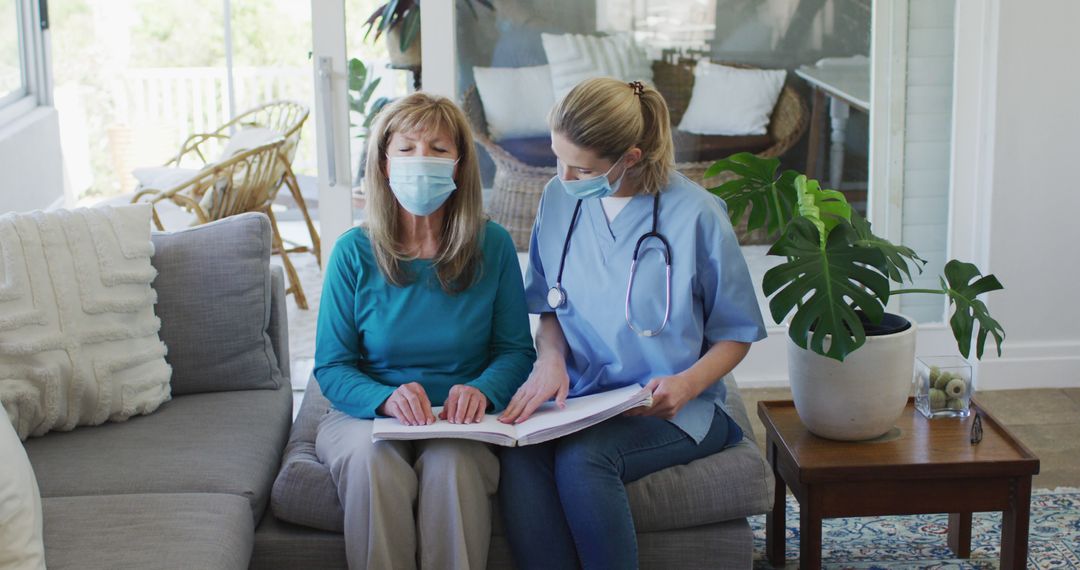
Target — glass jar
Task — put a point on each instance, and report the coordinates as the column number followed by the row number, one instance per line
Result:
column 943, row 386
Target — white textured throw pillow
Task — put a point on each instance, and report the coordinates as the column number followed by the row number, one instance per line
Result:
column 21, row 543
column 576, row 57
column 516, row 100
column 79, row 340
column 731, row 101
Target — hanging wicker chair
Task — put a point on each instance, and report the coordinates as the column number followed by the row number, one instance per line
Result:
column 517, row 186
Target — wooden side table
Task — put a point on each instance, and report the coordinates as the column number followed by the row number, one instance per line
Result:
column 929, row 467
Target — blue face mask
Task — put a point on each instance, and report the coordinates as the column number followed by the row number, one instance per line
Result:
column 596, row 187
column 422, row 183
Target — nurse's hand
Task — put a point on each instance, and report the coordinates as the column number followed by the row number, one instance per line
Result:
column 669, row 395
column 464, row 405
column 409, row 404
column 548, row 378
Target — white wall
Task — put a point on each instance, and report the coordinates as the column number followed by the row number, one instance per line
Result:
column 31, row 172
column 1033, row 201
column 928, row 118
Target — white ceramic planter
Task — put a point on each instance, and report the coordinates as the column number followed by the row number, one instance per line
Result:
column 859, row 398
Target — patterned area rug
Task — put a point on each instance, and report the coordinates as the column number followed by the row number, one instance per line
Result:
column 919, row 541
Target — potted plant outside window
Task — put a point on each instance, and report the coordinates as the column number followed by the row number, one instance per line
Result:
column 850, row 362
column 400, row 20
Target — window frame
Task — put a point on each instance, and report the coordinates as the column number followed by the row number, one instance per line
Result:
column 33, row 25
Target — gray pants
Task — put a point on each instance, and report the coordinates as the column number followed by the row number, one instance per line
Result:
column 425, row 503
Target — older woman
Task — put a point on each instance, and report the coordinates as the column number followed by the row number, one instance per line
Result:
column 424, row 306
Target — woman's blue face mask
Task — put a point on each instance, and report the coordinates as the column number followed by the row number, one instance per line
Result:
column 422, row 184
column 595, row 187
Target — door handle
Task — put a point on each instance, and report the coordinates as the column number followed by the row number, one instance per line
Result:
column 326, row 92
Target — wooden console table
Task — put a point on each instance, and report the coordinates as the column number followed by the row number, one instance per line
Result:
column 929, row 467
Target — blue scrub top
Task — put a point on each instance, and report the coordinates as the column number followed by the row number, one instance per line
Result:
column 712, row 295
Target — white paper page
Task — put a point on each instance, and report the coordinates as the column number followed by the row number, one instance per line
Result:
column 442, row 428
column 549, row 415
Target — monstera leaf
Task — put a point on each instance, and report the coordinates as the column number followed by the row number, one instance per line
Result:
column 825, row 208
column 771, row 200
column 964, row 284
column 896, row 256
column 819, row 281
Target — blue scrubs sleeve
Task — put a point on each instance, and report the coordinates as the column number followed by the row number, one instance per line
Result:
column 731, row 309
column 511, row 348
column 536, row 285
column 337, row 340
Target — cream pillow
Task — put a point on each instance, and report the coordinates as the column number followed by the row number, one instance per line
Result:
column 79, row 339
column 576, row 57
column 20, row 505
column 516, row 100
column 731, row 101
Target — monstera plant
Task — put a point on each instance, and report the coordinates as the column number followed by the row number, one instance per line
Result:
column 836, row 281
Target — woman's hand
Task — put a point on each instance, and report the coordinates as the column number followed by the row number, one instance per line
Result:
column 464, row 405
column 669, row 395
column 409, row 404
column 548, row 378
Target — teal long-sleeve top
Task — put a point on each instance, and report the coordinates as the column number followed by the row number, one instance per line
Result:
column 374, row 336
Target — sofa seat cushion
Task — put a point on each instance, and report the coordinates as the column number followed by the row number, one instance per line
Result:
column 733, row 484
column 221, row 442
column 163, row 531
column 689, row 147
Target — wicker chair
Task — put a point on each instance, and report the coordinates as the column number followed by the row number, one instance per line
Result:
column 518, row 186
column 247, row 181
column 286, row 118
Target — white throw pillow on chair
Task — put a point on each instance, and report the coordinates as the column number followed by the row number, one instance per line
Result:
column 577, row 57
column 516, row 100
column 731, row 101
column 21, row 532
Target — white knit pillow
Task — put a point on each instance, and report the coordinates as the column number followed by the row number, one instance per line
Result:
column 576, row 57
column 78, row 337
column 21, row 544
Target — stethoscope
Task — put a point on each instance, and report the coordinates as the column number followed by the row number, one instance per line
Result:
column 556, row 296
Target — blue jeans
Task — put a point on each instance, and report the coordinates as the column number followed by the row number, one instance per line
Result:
column 564, row 502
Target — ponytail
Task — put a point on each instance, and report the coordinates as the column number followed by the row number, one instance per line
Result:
column 608, row 117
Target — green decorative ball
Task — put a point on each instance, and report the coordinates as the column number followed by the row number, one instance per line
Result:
column 943, row 380
column 935, row 373
column 937, row 399
column 955, row 404
column 956, row 388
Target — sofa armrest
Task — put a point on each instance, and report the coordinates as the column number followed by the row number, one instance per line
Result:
column 279, row 321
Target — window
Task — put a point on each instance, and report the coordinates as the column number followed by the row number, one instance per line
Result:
column 12, row 81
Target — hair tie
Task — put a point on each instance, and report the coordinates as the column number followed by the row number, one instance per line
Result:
column 638, row 87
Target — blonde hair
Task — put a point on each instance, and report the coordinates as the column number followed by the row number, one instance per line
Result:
column 609, row 117
column 457, row 263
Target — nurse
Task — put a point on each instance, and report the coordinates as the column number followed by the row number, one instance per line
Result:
column 619, row 211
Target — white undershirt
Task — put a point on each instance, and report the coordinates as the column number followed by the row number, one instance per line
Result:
column 613, row 205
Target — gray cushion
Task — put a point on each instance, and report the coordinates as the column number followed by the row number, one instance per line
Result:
column 720, row 546
column 729, row 485
column 223, row 442
column 213, row 288
column 118, row 532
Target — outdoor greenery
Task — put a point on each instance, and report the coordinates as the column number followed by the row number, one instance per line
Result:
column 838, row 274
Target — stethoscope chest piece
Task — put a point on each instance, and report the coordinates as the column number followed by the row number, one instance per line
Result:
column 556, row 297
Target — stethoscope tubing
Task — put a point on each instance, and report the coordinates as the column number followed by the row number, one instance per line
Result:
column 557, row 295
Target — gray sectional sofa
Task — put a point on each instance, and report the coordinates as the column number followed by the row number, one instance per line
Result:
column 189, row 486
column 186, row 486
